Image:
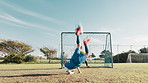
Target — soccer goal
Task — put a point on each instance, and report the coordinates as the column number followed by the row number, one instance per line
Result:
column 100, row 47
column 137, row 58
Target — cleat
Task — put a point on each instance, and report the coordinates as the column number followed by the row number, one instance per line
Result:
column 86, row 40
column 79, row 30
column 87, row 66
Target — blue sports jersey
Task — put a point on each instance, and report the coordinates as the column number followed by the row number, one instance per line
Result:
column 76, row 60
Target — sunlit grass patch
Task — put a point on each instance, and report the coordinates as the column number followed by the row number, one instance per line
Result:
column 51, row 73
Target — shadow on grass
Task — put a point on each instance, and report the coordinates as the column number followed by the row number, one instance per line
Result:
column 28, row 69
column 31, row 75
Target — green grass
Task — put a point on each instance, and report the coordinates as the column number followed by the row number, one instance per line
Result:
column 39, row 61
column 1, row 61
column 45, row 61
column 50, row 73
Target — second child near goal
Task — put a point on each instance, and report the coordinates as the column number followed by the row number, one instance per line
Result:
column 78, row 57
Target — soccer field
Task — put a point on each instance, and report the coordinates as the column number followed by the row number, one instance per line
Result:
column 50, row 73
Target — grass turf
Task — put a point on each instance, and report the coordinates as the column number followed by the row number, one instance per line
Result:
column 50, row 73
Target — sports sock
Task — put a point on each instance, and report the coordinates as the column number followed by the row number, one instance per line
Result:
column 78, row 40
column 86, row 48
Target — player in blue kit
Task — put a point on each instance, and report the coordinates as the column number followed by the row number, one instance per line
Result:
column 79, row 56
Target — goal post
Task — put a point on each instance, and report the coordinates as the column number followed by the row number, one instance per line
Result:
column 137, row 58
column 100, row 46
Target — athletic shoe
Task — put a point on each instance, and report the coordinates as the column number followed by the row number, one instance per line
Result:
column 86, row 40
column 79, row 30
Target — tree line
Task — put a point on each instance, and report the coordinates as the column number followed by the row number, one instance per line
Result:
column 18, row 52
column 122, row 57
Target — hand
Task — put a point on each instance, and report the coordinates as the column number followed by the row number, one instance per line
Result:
column 80, row 72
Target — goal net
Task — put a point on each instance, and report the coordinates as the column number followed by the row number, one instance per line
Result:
column 137, row 58
column 99, row 47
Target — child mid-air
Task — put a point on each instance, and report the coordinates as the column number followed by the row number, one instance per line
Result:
column 78, row 57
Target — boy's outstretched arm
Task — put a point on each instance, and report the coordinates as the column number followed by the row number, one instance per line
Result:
column 79, row 71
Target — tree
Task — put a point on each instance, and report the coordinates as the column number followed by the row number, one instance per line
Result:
column 29, row 58
column 48, row 52
column 143, row 50
column 105, row 52
column 14, row 58
column 15, row 50
column 11, row 47
column 92, row 55
column 122, row 57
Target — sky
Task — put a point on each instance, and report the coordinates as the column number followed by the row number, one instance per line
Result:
column 39, row 23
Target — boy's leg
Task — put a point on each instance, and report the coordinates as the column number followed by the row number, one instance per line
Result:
column 85, row 45
column 78, row 33
column 79, row 30
column 78, row 41
column 86, row 63
column 77, row 51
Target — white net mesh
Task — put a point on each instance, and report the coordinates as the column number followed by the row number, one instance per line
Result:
column 137, row 58
column 98, row 43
